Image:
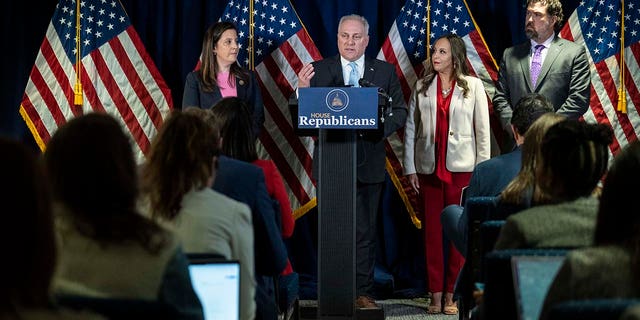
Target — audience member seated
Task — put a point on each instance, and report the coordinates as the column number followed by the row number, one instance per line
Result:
column 490, row 177
column 632, row 313
column 107, row 248
column 573, row 158
column 27, row 238
column 517, row 195
column 234, row 121
column 609, row 269
column 245, row 182
column 595, row 309
column 177, row 179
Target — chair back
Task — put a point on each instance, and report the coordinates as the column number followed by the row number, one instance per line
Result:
column 499, row 295
column 488, row 235
column 478, row 209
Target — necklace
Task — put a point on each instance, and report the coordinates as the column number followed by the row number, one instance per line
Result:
column 445, row 91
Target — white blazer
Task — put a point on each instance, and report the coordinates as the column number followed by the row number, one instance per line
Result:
column 469, row 136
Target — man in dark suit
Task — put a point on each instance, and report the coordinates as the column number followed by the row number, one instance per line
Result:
column 346, row 69
column 490, row 177
column 556, row 68
column 244, row 182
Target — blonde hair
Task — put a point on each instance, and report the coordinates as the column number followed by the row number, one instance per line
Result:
column 525, row 180
column 180, row 159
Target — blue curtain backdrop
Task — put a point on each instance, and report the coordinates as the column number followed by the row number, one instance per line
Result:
column 172, row 32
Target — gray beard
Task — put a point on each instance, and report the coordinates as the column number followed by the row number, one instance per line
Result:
column 530, row 33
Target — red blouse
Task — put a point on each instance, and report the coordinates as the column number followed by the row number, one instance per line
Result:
column 275, row 189
column 442, row 132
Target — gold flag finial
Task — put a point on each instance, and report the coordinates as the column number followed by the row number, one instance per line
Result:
column 77, row 89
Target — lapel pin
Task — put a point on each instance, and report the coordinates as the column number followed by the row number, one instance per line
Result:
column 241, row 82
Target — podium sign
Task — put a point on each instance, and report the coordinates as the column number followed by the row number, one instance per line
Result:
column 338, row 116
column 338, row 108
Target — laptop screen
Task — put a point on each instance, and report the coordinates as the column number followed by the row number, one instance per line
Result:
column 532, row 277
column 217, row 283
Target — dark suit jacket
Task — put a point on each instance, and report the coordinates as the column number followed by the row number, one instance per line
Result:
column 245, row 182
column 370, row 147
column 194, row 96
column 564, row 79
column 490, row 177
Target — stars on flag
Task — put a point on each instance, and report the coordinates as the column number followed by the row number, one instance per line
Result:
column 273, row 24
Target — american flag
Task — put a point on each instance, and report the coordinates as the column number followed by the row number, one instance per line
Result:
column 406, row 48
column 598, row 26
column 117, row 75
column 281, row 46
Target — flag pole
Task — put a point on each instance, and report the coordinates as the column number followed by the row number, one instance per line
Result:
column 622, row 94
column 77, row 91
column 428, row 29
column 251, row 30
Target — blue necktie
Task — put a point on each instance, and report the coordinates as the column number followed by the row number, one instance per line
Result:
column 353, row 75
column 536, row 64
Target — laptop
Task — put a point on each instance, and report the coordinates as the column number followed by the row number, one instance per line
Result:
column 532, row 277
column 216, row 281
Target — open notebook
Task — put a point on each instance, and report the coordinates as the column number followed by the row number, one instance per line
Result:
column 532, row 277
column 216, row 281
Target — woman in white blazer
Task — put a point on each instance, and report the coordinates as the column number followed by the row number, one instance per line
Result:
column 446, row 135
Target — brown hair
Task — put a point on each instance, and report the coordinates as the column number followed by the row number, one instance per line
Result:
column 94, row 177
column 181, row 159
column 28, row 233
column 618, row 221
column 525, row 180
column 209, row 67
column 459, row 60
column 575, row 155
column 554, row 9
column 234, row 122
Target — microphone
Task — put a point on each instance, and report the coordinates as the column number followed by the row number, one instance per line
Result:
column 366, row 83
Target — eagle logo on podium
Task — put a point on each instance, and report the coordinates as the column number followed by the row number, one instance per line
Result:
column 337, row 100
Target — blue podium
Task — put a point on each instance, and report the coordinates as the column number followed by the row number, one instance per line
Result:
column 338, row 116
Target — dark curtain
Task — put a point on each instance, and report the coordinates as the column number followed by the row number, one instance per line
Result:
column 172, row 32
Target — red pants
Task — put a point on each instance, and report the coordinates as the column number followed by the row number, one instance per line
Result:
column 435, row 195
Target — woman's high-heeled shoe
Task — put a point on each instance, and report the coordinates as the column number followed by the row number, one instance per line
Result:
column 435, row 305
column 450, row 306
column 451, row 309
column 434, row 309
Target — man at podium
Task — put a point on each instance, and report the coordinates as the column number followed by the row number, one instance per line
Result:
column 347, row 69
